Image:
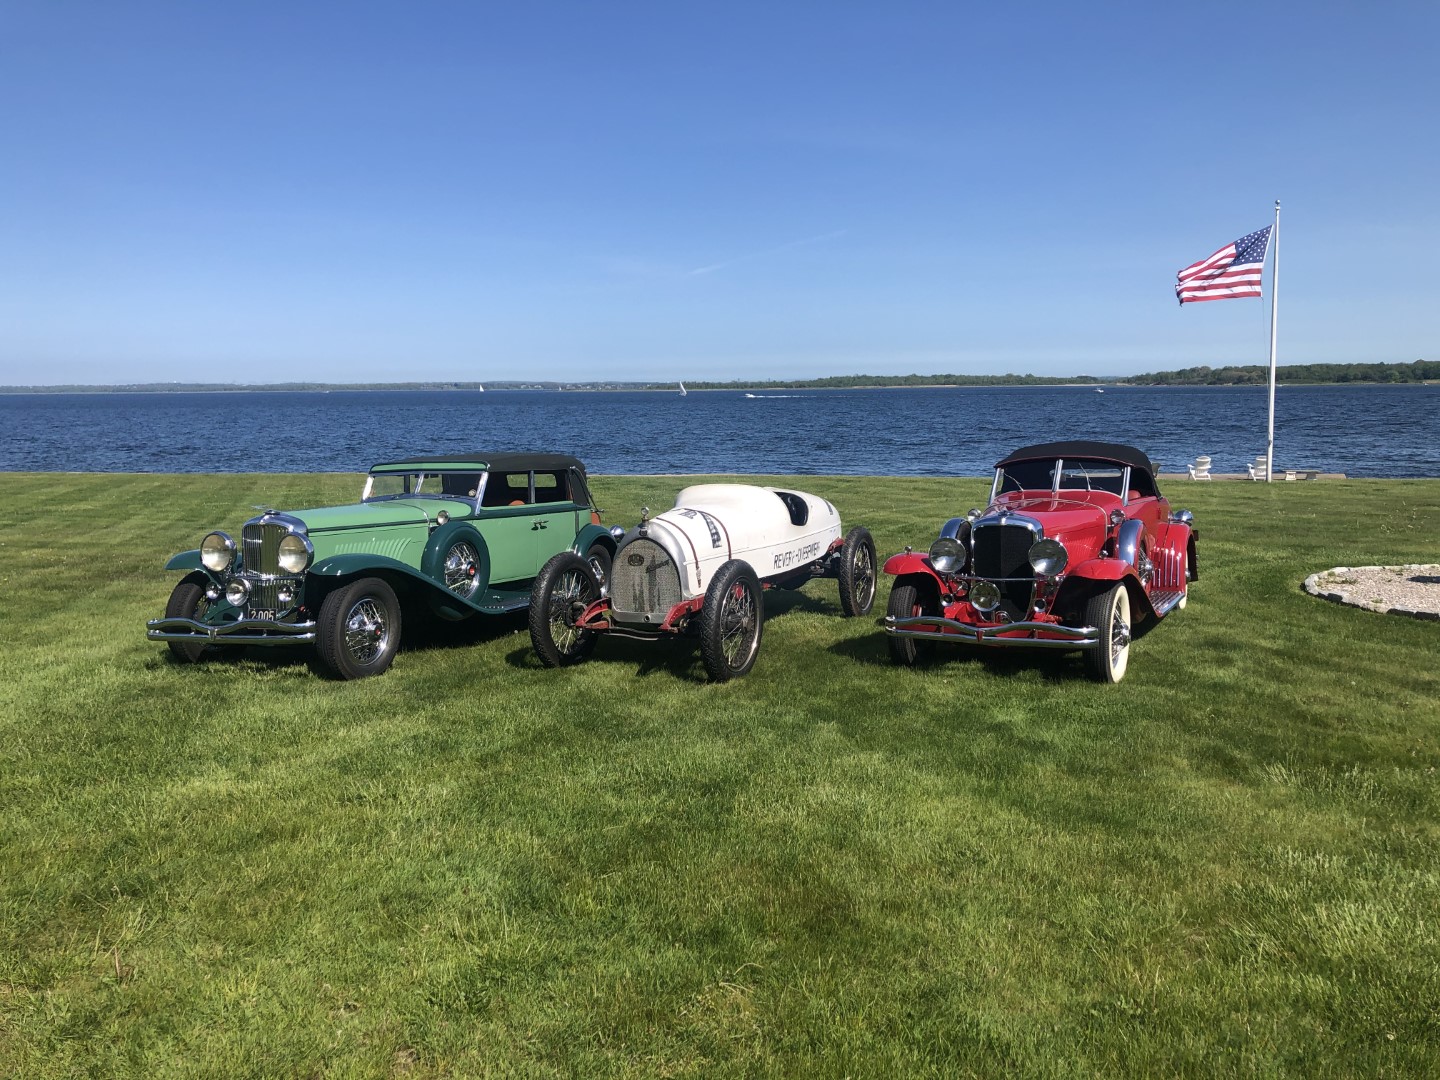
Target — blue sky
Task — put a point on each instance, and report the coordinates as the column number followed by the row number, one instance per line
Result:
column 392, row 191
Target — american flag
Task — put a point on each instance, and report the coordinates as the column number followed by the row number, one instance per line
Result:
column 1232, row 272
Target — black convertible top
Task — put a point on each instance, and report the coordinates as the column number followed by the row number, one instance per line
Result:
column 506, row 461
column 1103, row 451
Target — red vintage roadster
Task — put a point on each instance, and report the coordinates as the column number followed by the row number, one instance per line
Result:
column 1077, row 550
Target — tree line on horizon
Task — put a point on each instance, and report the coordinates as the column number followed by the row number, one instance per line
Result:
column 1237, row 375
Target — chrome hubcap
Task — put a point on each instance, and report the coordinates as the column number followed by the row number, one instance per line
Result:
column 366, row 633
column 462, row 571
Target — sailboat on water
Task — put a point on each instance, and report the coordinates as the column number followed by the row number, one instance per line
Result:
column 480, row 387
column 683, row 391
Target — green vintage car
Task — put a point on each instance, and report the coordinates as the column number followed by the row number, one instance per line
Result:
column 449, row 536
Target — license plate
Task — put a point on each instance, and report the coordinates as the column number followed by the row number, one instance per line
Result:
column 263, row 613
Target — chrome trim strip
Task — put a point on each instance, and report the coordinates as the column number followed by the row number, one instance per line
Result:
column 233, row 633
column 1071, row 637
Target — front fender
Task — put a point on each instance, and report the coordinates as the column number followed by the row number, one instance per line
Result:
column 358, row 564
column 911, row 562
column 1101, row 570
column 186, row 560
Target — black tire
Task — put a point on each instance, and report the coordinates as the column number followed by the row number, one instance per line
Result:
column 1109, row 612
column 906, row 602
column 732, row 621
column 857, row 572
column 359, row 629
column 599, row 559
column 564, row 588
column 461, row 569
column 187, row 601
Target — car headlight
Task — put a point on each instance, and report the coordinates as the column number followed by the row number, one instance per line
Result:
column 947, row 555
column 295, row 553
column 237, row 592
column 985, row 596
column 1048, row 557
column 217, row 552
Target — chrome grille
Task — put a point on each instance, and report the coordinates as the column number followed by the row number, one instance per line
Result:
column 644, row 579
column 1002, row 551
column 261, row 547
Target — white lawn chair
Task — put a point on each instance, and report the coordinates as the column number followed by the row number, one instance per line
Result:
column 1201, row 469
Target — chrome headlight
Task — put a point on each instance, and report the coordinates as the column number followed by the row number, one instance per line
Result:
column 295, row 553
column 217, row 552
column 985, row 596
column 947, row 555
column 237, row 592
column 1048, row 557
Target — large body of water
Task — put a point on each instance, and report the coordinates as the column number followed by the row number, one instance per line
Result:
column 1389, row 431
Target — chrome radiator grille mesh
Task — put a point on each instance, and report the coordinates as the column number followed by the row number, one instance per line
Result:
column 261, row 547
column 644, row 579
column 1002, row 551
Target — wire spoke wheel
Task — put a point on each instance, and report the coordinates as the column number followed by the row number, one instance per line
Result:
column 563, row 590
column 732, row 620
column 366, row 633
column 359, row 629
column 1109, row 613
column 857, row 572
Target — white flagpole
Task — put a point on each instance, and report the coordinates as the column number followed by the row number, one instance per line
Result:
column 1274, row 315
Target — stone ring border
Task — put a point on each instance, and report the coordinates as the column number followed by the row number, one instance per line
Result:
column 1317, row 585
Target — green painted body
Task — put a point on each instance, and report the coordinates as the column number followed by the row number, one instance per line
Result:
column 401, row 538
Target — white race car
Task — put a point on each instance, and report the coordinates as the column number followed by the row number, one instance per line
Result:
column 701, row 569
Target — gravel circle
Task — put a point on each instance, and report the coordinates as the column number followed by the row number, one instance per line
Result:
column 1412, row 589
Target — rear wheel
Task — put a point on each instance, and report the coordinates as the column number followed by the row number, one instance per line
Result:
column 906, row 602
column 857, row 572
column 1109, row 612
column 564, row 588
column 187, row 601
column 731, row 622
column 359, row 629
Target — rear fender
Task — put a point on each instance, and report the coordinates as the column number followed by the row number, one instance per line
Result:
column 591, row 535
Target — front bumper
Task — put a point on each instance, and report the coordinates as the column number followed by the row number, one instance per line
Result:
column 998, row 636
column 240, row 632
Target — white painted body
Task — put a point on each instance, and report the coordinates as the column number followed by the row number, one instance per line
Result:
column 714, row 523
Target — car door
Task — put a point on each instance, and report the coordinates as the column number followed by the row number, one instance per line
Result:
column 510, row 523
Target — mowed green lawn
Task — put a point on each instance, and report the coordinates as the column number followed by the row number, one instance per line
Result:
column 1227, row 864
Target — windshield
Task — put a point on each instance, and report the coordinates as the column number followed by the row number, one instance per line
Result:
column 431, row 485
column 1075, row 474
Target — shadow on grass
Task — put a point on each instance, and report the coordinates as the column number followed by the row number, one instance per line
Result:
column 1053, row 666
column 420, row 633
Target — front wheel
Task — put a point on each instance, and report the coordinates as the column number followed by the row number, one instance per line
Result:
column 857, row 572
column 1109, row 613
column 564, row 588
column 731, row 621
column 906, row 603
column 359, row 629
column 187, row 601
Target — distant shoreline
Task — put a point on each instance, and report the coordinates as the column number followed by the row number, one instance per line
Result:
column 577, row 388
